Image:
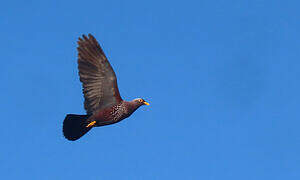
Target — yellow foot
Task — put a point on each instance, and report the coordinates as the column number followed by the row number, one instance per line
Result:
column 91, row 124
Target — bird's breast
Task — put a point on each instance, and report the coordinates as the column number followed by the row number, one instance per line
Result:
column 111, row 115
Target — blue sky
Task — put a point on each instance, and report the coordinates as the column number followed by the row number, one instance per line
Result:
column 222, row 78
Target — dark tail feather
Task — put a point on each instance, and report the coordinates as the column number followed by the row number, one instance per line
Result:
column 75, row 126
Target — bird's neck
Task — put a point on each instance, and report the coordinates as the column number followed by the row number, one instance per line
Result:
column 131, row 106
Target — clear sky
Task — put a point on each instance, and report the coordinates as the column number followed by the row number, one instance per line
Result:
column 222, row 78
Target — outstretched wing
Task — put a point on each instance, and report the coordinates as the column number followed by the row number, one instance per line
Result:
column 98, row 79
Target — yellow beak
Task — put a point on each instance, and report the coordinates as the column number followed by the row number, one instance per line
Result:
column 146, row 103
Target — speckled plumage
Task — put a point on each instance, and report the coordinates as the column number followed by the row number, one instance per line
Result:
column 103, row 102
column 115, row 113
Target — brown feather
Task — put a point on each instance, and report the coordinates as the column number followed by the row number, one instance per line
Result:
column 99, row 81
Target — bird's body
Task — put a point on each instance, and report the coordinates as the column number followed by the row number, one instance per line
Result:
column 103, row 102
column 113, row 114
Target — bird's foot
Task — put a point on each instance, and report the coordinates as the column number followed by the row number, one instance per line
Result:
column 91, row 124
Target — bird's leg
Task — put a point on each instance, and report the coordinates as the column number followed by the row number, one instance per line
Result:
column 91, row 124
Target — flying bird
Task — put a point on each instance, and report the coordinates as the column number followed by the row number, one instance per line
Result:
column 102, row 100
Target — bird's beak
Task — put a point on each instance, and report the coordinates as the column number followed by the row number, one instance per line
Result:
column 146, row 103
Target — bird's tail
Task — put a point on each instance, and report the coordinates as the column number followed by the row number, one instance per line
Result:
column 75, row 126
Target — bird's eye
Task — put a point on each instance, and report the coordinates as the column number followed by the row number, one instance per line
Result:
column 140, row 100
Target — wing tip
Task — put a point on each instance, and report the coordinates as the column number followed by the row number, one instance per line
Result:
column 91, row 36
column 87, row 38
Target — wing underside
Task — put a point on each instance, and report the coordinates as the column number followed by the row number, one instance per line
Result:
column 98, row 79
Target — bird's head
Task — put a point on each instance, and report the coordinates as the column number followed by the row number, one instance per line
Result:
column 140, row 102
column 135, row 104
